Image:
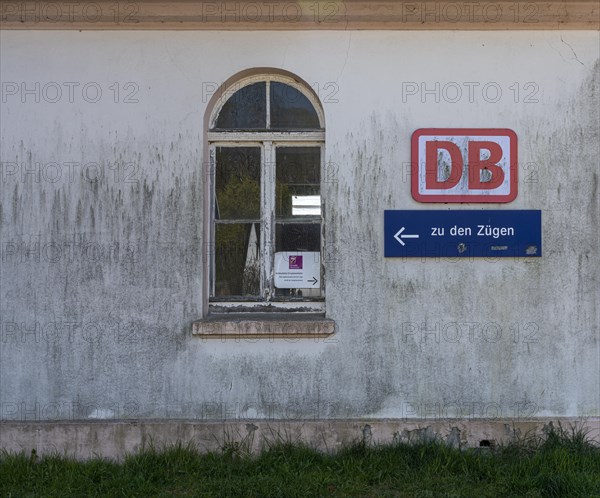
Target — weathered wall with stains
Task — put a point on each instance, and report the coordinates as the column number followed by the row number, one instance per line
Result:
column 101, row 215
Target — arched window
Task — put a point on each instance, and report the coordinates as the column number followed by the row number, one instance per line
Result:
column 265, row 141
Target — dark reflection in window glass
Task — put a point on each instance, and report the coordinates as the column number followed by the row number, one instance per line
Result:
column 290, row 109
column 237, row 259
column 298, row 237
column 298, row 182
column 237, row 179
column 246, row 109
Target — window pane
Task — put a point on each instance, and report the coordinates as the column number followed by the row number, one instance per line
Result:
column 237, row 259
column 290, row 109
column 294, row 238
column 246, row 109
column 237, row 179
column 298, row 182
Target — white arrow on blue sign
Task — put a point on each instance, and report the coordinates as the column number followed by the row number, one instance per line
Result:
column 399, row 236
column 463, row 233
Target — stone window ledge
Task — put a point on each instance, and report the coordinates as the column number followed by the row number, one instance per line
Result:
column 264, row 325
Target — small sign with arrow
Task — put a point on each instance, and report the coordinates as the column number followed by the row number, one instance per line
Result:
column 297, row 270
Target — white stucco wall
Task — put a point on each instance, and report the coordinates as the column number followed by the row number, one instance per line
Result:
column 97, row 322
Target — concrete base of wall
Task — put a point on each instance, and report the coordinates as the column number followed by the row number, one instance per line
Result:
column 116, row 438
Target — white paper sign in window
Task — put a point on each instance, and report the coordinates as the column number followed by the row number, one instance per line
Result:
column 297, row 270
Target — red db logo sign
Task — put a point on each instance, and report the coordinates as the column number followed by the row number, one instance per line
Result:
column 464, row 165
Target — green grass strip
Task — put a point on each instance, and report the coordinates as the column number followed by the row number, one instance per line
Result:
column 563, row 464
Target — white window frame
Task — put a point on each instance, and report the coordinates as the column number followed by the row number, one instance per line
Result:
column 268, row 142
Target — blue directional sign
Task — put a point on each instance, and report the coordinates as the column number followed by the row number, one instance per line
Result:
column 463, row 233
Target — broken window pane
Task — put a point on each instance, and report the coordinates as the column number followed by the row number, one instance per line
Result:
column 237, row 259
column 298, row 182
column 290, row 109
column 246, row 109
column 237, row 178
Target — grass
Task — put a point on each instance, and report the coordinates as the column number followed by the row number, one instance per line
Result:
column 562, row 463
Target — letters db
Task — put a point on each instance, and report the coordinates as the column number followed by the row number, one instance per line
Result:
column 464, row 165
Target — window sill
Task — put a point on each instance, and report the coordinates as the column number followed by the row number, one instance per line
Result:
column 264, row 325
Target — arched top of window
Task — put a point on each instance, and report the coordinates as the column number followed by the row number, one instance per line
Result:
column 267, row 102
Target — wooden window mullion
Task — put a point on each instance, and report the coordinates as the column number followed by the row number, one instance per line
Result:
column 268, row 218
